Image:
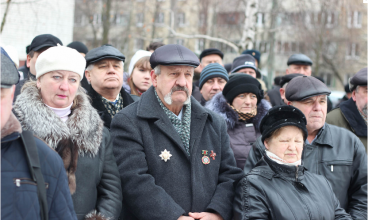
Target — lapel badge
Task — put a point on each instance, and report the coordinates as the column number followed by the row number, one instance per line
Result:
column 213, row 155
column 165, row 155
column 205, row 159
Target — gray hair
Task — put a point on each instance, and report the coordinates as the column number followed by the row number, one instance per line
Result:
column 157, row 70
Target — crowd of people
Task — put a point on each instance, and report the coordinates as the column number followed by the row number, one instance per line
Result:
column 82, row 139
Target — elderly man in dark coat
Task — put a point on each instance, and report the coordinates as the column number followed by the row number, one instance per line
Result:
column 331, row 151
column 352, row 114
column 173, row 155
column 104, row 81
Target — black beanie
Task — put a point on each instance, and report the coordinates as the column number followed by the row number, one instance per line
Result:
column 280, row 116
column 78, row 46
column 242, row 83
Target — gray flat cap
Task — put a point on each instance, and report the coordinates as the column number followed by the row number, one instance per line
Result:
column 299, row 59
column 9, row 73
column 103, row 52
column 359, row 79
column 173, row 54
column 303, row 87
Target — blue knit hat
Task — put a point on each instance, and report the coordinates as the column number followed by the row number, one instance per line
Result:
column 212, row 70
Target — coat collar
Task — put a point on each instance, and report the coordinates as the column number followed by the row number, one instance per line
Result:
column 326, row 137
column 84, row 127
column 11, row 126
column 219, row 105
column 149, row 108
column 352, row 115
column 97, row 99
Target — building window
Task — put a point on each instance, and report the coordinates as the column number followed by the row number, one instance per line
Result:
column 352, row 51
column 79, row 20
column 200, row 45
column 160, row 18
column 181, row 19
column 97, row 19
column 202, row 19
column 139, row 19
column 331, row 19
column 327, row 77
column 138, row 44
column 354, row 19
column 260, row 19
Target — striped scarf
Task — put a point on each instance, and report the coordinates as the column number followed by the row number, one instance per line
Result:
column 244, row 116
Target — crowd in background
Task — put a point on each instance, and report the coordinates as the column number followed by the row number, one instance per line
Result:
column 82, row 139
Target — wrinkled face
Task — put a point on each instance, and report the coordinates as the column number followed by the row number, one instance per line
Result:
column 315, row 110
column 245, row 102
column 360, row 97
column 58, row 88
column 302, row 69
column 248, row 71
column 212, row 58
column 212, row 87
column 141, row 78
column 287, row 144
column 106, row 74
column 6, row 104
column 173, row 84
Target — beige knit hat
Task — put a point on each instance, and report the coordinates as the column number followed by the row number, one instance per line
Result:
column 60, row 58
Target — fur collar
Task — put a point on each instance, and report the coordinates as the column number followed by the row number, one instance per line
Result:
column 219, row 105
column 84, row 126
column 11, row 126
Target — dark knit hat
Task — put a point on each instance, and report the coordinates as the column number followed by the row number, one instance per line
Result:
column 79, row 46
column 242, row 83
column 359, row 79
column 280, row 116
column 243, row 61
column 44, row 40
column 211, row 51
column 212, row 70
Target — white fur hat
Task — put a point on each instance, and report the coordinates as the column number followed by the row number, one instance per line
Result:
column 60, row 58
column 137, row 56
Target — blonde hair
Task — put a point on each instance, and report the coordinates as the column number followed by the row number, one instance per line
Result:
column 143, row 63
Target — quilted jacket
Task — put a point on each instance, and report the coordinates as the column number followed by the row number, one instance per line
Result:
column 19, row 199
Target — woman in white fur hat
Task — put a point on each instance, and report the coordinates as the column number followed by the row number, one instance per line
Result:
column 57, row 109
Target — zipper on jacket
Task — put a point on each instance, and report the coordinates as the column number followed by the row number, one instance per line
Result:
column 296, row 173
column 19, row 181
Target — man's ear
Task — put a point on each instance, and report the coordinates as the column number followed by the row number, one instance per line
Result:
column 353, row 95
column 154, row 78
column 287, row 71
column 29, row 60
column 282, row 93
column 87, row 74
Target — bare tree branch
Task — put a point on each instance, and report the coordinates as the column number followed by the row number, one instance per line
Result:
column 4, row 17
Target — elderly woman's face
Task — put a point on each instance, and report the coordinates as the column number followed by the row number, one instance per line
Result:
column 288, row 144
column 245, row 102
column 58, row 88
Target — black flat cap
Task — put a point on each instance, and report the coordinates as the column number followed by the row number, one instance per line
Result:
column 172, row 55
column 211, row 51
column 245, row 61
column 9, row 73
column 303, row 87
column 359, row 79
column 285, row 79
column 79, row 46
column 299, row 59
column 103, row 52
column 44, row 40
column 281, row 116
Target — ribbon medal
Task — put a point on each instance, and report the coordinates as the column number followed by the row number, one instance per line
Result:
column 205, row 158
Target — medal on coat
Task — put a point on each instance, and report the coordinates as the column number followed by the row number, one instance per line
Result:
column 165, row 155
column 205, row 158
column 212, row 155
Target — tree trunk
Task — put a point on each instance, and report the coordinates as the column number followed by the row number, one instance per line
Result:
column 4, row 17
column 271, row 52
column 106, row 21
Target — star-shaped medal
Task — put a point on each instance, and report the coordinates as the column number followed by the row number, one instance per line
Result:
column 165, row 155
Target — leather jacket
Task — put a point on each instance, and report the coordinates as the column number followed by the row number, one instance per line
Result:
column 276, row 191
column 338, row 155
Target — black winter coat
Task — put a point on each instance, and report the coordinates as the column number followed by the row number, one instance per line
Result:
column 100, row 107
column 338, row 155
column 157, row 190
column 274, row 191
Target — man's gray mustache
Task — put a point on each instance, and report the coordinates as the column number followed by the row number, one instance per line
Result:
column 180, row 88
